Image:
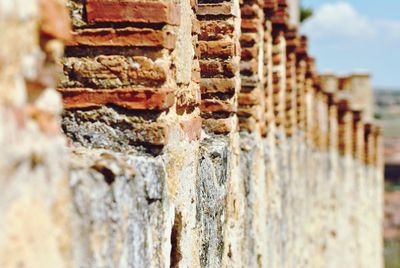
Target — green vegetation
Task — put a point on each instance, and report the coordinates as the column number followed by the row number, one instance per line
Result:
column 305, row 13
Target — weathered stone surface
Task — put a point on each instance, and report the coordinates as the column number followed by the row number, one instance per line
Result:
column 211, row 193
column 218, row 191
column 106, row 128
column 119, row 206
column 254, row 185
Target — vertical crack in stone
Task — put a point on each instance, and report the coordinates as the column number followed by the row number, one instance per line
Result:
column 176, row 254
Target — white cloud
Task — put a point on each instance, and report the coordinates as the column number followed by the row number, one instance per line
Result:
column 390, row 29
column 343, row 39
column 338, row 19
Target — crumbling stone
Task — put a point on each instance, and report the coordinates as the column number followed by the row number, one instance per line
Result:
column 195, row 134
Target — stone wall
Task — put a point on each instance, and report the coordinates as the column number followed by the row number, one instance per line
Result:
column 181, row 134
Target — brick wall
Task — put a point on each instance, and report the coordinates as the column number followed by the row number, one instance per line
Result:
column 181, row 134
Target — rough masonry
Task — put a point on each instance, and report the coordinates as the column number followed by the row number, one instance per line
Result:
column 188, row 133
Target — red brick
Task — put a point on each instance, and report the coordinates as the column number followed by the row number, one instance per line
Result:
column 132, row 11
column 216, row 29
column 217, row 49
column 250, row 25
column 216, row 105
column 248, row 53
column 192, row 128
column 224, row 8
column 129, row 98
column 214, row 68
column 123, row 37
column 218, row 85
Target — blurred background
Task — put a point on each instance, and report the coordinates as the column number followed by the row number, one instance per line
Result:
column 364, row 36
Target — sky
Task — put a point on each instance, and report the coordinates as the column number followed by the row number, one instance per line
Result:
column 356, row 35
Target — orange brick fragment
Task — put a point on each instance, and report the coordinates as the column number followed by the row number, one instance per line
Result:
column 216, row 105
